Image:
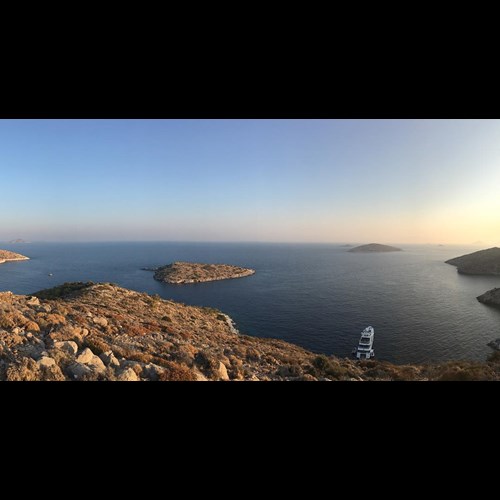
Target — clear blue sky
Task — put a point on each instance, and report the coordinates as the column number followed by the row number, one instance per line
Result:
column 251, row 180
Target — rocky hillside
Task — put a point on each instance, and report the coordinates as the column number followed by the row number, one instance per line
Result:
column 190, row 272
column 375, row 247
column 491, row 297
column 5, row 256
column 88, row 331
column 482, row 262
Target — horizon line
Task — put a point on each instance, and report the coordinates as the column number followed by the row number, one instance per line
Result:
column 347, row 242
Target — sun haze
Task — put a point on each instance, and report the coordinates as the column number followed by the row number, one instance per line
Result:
column 390, row 181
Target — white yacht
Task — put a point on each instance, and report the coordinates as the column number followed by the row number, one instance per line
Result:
column 364, row 350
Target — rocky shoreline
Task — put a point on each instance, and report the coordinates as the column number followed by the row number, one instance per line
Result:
column 100, row 331
column 191, row 272
column 483, row 262
column 7, row 256
column 490, row 298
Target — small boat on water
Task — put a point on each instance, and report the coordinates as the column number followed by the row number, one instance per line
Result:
column 364, row 349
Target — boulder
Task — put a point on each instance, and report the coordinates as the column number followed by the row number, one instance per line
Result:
column 67, row 346
column 87, row 357
column 46, row 361
column 78, row 370
column 109, row 359
column 152, row 371
column 128, row 375
column 99, row 320
column 222, row 371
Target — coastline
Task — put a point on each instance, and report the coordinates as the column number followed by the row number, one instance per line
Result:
column 206, row 280
column 2, row 261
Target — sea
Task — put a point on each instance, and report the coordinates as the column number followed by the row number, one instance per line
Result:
column 319, row 296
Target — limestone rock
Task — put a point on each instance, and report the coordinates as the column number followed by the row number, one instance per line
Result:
column 99, row 320
column 46, row 361
column 86, row 356
column 78, row 370
column 33, row 301
column 109, row 359
column 128, row 375
column 151, row 371
column 222, row 371
column 67, row 346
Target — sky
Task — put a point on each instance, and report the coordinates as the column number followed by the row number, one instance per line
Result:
column 360, row 181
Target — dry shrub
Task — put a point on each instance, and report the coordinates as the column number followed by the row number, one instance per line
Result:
column 62, row 358
column 176, row 372
column 466, row 372
column 51, row 320
column 135, row 330
column 51, row 373
column 31, row 326
column 25, row 369
column 79, row 320
column 67, row 332
column 98, row 346
column 252, row 354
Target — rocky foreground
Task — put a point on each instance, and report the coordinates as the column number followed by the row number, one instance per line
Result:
column 485, row 262
column 6, row 256
column 190, row 272
column 88, row 331
column 374, row 247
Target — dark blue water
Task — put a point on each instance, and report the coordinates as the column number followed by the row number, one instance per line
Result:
column 318, row 296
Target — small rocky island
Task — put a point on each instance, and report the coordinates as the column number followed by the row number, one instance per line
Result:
column 482, row 262
column 374, row 247
column 490, row 298
column 191, row 272
column 6, row 256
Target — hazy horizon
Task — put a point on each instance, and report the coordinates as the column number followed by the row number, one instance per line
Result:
column 277, row 181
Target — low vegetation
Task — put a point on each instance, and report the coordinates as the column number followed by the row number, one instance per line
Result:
column 99, row 331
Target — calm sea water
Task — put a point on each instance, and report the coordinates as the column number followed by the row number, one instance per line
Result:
column 317, row 296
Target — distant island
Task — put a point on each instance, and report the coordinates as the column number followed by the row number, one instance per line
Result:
column 18, row 240
column 490, row 298
column 374, row 247
column 191, row 272
column 6, row 256
column 481, row 262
